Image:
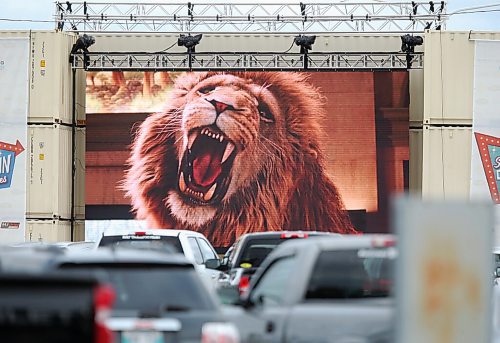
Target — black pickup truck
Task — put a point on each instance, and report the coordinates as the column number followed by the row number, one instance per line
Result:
column 46, row 308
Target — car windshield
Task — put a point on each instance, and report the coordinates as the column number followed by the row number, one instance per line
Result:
column 256, row 250
column 150, row 289
column 170, row 244
column 360, row 273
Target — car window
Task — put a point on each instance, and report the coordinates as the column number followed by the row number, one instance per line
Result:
column 151, row 289
column 169, row 244
column 206, row 251
column 359, row 273
column 256, row 250
column 196, row 250
column 270, row 289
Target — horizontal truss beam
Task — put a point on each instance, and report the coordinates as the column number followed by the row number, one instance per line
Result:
column 367, row 16
column 208, row 61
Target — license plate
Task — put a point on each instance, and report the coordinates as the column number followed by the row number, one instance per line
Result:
column 142, row 337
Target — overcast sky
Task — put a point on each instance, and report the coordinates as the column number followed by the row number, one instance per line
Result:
column 44, row 10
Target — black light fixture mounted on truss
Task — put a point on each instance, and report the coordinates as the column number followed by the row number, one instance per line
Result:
column 305, row 43
column 82, row 44
column 190, row 42
column 408, row 44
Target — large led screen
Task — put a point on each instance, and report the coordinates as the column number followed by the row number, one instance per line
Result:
column 234, row 152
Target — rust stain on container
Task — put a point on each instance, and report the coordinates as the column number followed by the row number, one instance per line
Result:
column 448, row 290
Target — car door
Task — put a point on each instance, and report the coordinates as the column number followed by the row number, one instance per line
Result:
column 208, row 253
column 269, row 298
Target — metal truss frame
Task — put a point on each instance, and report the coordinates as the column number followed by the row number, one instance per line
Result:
column 261, row 61
column 363, row 16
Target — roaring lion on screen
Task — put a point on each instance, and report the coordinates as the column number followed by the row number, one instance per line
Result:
column 234, row 153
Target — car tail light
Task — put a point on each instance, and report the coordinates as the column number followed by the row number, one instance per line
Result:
column 219, row 333
column 244, row 284
column 104, row 297
column 140, row 233
column 294, row 235
column 383, row 242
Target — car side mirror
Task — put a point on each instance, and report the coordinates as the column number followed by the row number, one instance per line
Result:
column 497, row 272
column 224, row 266
column 245, row 302
column 212, row 263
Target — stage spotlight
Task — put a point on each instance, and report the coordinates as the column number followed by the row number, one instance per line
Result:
column 189, row 42
column 305, row 43
column 427, row 26
column 408, row 43
column 431, row 8
column 82, row 44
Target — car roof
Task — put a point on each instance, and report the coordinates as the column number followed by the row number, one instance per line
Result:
column 111, row 255
column 155, row 232
column 331, row 243
column 273, row 234
column 43, row 258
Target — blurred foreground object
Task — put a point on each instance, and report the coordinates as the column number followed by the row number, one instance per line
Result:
column 444, row 277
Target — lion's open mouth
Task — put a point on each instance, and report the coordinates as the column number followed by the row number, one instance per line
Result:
column 205, row 166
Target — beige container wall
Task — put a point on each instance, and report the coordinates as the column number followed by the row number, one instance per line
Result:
column 416, row 156
column 49, row 231
column 449, row 76
column 51, row 79
column 248, row 42
column 15, row 34
column 80, row 174
column 446, row 162
column 416, row 97
column 49, row 172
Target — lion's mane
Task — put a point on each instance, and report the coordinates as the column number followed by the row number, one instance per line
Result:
column 290, row 191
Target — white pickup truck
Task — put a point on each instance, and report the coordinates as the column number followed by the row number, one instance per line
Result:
column 193, row 245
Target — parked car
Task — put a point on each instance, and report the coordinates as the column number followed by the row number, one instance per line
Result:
column 83, row 245
column 52, row 308
column 193, row 245
column 319, row 290
column 496, row 264
column 159, row 297
column 246, row 255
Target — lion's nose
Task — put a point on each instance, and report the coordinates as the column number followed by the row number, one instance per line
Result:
column 219, row 106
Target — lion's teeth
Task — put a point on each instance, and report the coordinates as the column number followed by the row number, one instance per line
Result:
column 208, row 195
column 182, row 183
column 221, row 138
column 191, row 139
column 228, row 151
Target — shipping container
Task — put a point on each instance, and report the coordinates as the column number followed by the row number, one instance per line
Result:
column 49, row 172
column 416, row 155
column 416, row 78
column 449, row 75
column 263, row 42
column 51, row 79
column 446, row 162
column 49, row 231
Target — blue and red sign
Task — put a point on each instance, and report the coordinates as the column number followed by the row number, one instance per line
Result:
column 8, row 154
column 489, row 150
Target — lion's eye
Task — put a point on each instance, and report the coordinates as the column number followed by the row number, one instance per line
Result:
column 206, row 89
column 265, row 113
